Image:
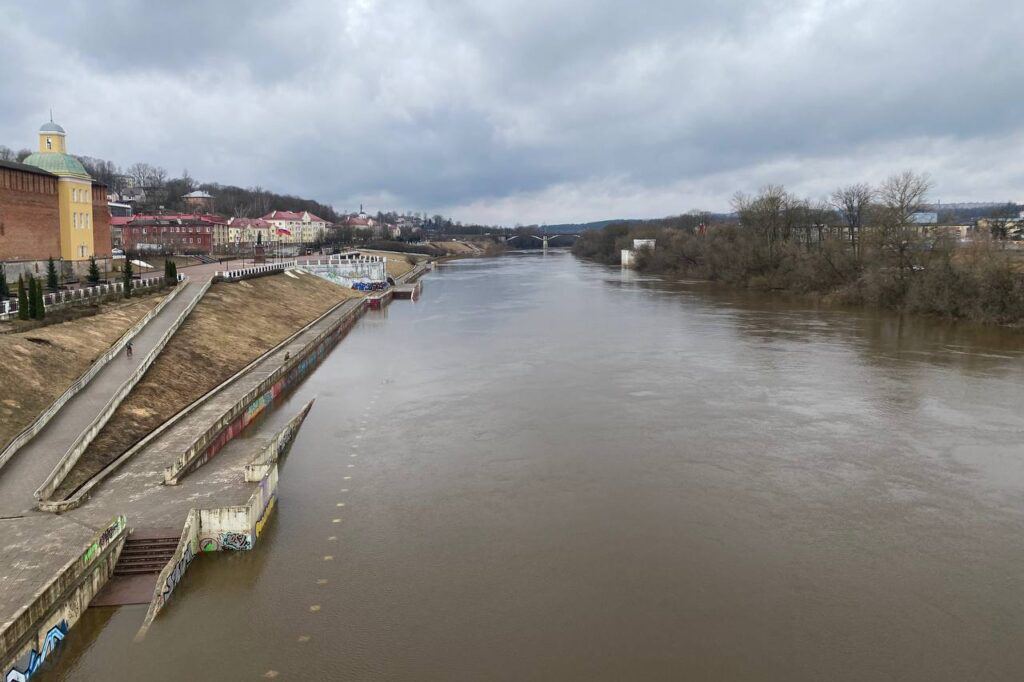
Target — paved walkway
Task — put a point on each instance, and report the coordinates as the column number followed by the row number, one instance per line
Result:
column 141, row 478
column 30, row 466
column 37, row 544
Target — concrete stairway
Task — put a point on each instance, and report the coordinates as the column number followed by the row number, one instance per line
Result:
column 144, row 555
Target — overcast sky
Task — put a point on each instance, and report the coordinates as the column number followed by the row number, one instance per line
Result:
column 505, row 111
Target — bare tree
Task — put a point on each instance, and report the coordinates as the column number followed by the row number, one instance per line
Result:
column 901, row 196
column 147, row 176
column 852, row 203
column 6, row 153
column 769, row 214
column 904, row 194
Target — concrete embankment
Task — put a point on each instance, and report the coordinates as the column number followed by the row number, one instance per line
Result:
column 223, row 501
column 270, row 382
column 230, row 528
column 36, row 459
column 79, row 446
column 235, row 324
column 204, row 428
column 37, row 628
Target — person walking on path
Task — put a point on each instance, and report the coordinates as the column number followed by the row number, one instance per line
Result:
column 128, row 348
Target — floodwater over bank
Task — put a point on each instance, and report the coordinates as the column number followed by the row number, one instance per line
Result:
column 547, row 469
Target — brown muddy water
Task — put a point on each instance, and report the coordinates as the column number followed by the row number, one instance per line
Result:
column 552, row 470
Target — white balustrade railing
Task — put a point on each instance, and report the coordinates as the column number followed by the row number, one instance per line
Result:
column 9, row 307
column 254, row 271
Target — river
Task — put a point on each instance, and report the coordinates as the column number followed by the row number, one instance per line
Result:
column 546, row 469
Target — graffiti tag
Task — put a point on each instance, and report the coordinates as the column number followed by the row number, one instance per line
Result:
column 236, row 541
column 34, row 659
column 265, row 516
column 179, row 570
column 108, row 534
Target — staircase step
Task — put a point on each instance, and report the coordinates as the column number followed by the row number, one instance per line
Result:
column 146, row 556
column 133, row 570
column 146, row 551
column 150, row 546
column 167, row 542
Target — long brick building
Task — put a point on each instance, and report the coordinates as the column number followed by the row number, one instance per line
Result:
column 51, row 208
column 171, row 232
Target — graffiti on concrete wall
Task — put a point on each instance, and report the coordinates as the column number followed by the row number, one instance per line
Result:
column 179, row 570
column 253, row 410
column 101, row 543
column 209, row 545
column 30, row 662
column 265, row 515
column 257, row 406
column 236, row 541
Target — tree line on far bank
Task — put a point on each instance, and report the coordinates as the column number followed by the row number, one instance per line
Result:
column 861, row 247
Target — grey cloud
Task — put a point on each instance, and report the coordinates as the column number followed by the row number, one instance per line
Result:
column 497, row 108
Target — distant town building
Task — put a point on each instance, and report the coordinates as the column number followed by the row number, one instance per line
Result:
column 1000, row 228
column 50, row 207
column 247, row 231
column 171, row 232
column 199, row 201
column 628, row 256
column 292, row 227
column 117, row 224
column 120, row 215
column 118, row 210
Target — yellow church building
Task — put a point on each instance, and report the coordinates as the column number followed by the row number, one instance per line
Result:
column 74, row 193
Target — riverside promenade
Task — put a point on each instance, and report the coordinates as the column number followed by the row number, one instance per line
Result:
column 37, row 544
column 34, row 461
column 55, row 562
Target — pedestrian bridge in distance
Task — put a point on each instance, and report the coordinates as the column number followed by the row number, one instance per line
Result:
column 527, row 241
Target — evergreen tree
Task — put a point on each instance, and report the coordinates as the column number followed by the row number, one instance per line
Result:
column 94, row 271
column 23, row 309
column 40, row 306
column 52, row 280
column 126, row 276
column 5, row 291
column 174, row 273
column 33, row 312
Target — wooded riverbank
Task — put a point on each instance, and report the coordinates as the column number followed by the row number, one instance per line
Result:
column 877, row 258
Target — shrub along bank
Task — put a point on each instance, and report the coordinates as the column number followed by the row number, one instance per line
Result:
column 887, row 261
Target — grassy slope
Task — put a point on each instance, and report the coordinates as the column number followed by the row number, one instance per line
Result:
column 40, row 364
column 231, row 326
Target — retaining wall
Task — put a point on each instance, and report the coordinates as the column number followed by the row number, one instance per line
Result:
column 235, row 419
column 77, row 449
column 82, row 493
column 98, row 364
column 418, row 271
column 170, row 577
column 234, row 528
column 40, row 626
column 378, row 301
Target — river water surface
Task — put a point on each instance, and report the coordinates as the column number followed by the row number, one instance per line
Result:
column 551, row 470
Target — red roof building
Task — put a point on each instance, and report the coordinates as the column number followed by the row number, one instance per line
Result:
column 290, row 226
column 171, row 232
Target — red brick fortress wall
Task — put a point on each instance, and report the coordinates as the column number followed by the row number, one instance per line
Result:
column 29, row 216
column 100, row 222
